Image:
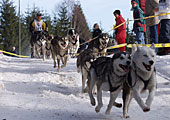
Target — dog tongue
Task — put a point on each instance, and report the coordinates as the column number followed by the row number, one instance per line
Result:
column 148, row 67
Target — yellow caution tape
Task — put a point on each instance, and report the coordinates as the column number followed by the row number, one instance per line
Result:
column 14, row 54
column 116, row 46
column 159, row 45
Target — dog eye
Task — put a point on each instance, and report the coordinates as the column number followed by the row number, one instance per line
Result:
column 129, row 57
column 153, row 55
column 145, row 55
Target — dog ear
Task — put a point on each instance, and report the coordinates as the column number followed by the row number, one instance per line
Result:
column 153, row 46
column 133, row 47
column 138, row 47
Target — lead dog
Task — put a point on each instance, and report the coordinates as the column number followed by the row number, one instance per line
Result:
column 108, row 74
column 74, row 44
column 83, row 65
column 59, row 48
column 141, row 77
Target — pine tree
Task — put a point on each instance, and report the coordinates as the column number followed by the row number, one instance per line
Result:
column 8, row 27
column 62, row 23
column 79, row 23
column 48, row 20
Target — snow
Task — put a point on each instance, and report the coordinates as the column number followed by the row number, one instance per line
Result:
column 31, row 89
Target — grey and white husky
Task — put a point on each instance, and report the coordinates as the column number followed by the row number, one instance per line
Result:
column 108, row 74
column 141, row 77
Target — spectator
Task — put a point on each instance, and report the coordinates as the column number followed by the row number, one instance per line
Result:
column 96, row 30
column 164, row 7
column 120, row 31
column 138, row 26
column 14, row 50
column 151, row 7
column 142, row 4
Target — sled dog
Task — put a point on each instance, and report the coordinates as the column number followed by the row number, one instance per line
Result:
column 100, row 43
column 74, row 44
column 108, row 74
column 141, row 77
column 59, row 48
column 83, row 65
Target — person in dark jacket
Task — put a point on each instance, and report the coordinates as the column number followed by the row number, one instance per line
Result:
column 139, row 25
column 96, row 30
column 120, row 31
column 164, row 37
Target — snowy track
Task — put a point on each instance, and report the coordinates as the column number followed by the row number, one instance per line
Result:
column 31, row 89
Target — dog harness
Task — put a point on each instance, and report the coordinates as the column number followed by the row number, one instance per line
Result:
column 75, row 40
column 129, row 79
column 112, row 89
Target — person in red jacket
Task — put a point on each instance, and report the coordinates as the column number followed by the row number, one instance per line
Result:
column 120, row 31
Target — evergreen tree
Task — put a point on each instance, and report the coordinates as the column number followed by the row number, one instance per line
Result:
column 62, row 21
column 9, row 25
column 79, row 23
column 48, row 20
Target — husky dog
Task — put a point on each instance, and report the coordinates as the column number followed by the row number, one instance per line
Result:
column 83, row 64
column 100, row 43
column 108, row 74
column 48, row 46
column 73, row 42
column 141, row 77
column 38, row 41
column 59, row 48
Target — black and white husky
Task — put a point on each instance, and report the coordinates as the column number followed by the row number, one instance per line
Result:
column 59, row 49
column 108, row 74
column 83, row 65
column 74, row 44
column 141, row 77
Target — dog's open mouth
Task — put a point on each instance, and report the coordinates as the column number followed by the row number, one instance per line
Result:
column 148, row 67
column 124, row 67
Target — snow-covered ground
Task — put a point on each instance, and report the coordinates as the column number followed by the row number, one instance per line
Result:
column 31, row 89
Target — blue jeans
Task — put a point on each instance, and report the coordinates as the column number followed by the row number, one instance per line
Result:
column 154, row 34
column 140, row 37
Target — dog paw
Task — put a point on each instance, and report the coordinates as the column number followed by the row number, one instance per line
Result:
column 118, row 105
column 97, row 109
column 126, row 116
column 107, row 112
column 146, row 109
column 93, row 102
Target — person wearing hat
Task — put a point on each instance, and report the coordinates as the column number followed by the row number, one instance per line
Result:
column 138, row 25
column 120, row 31
column 152, row 23
column 36, row 26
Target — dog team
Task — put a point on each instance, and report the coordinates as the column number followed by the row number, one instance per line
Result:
column 121, row 72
